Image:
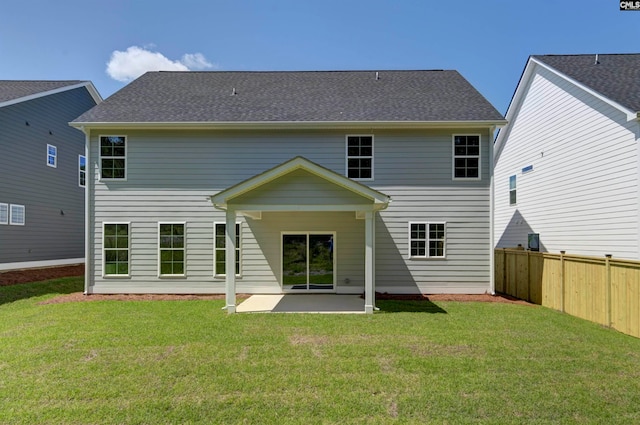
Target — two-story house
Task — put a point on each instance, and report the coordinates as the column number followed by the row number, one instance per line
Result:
column 42, row 172
column 280, row 182
column 568, row 162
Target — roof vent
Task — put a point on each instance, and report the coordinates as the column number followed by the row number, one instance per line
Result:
column 377, row 75
column 597, row 61
column 234, row 92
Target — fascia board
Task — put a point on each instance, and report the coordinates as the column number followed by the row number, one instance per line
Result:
column 304, row 125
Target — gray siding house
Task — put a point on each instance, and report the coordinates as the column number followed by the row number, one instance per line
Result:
column 280, row 182
column 41, row 172
column 568, row 162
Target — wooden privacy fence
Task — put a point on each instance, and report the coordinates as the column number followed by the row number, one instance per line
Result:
column 603, row 290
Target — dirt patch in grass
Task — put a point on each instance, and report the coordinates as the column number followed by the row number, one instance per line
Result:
column 488, row 298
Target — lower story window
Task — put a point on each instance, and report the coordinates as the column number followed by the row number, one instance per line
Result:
column 171, row 245
column 4, row 213
column 427, row 240
column 116, row 249
column 220, row 249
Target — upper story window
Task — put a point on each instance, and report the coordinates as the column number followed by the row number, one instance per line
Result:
column 360, row 157
column 17, row 215
column 426, row 240
column 113, row 157
column 4, row 213
column 52, row 156
column 466, row 156
column 512, row 190
column 171, row 248
column 82, row 171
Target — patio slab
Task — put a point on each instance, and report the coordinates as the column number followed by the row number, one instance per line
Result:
column 302, row 303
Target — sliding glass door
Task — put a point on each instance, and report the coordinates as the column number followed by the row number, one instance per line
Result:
column 308, row 262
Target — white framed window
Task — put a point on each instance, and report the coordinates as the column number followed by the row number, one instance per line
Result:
column 115, row 249
column 427, row 240
column 171, row 249
column 219, row 257
column 4, row 213
column 82, row 171
column 360, row 157
column 17, row 215
column 512, row 190
column 113, row 157
column 466, row 156
column 52, row 156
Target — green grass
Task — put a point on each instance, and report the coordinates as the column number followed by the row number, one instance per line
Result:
column 181, row 362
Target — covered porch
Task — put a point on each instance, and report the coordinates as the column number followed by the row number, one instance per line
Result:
column 298, row 186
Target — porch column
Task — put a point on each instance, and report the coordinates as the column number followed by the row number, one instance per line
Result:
column 368, row 262
column 230, row 261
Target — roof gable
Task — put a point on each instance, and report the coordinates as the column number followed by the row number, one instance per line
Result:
column 269, row 179
column 16, row 91
column 294, row 97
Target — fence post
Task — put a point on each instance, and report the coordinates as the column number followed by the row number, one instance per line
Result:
column 608, row 289
column 562, row 280
column 529, row 276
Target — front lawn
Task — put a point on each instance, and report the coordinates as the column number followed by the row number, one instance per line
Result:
column 183, row 362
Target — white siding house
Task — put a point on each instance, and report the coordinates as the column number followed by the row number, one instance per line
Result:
column 567, row 164
column 340, row 182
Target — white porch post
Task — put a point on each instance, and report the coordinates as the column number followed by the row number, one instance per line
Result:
column 368, row 262
column 230, row 261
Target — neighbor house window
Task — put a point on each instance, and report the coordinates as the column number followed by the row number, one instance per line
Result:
column 466, row 156
column 220, row 255
column 113, row 157
column 171, row 246
column 512, row 190
column 52, row 156
column 360, row 157
column 116, row 249
column 17, row 215
column 427, row 240
column 4, row 213
column 82, row 170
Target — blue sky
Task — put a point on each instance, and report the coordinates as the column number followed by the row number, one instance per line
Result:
column 487, row 41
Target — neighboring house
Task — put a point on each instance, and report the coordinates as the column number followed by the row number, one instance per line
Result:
column 338, row 182
column 568, row 162
column 42, row 173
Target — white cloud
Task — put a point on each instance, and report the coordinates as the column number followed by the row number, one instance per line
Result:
column 135, row 61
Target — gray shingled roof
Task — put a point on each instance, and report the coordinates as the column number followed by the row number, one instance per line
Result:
column 322, row 96
column 617, row 77
column 16, row 89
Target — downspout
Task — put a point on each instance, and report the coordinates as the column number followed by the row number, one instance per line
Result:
column 88, row 184
column 492, row 282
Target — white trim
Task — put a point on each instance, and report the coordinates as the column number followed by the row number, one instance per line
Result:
column 126, row 151
column 117, row 276
column 426, row 255
column 54, row 156
column 286, row 125
column 40, row 264
column 24, row 215
column 184, row 250
column 372, row 157
column 308, row 233
column 453, row 157
column 492, row 197
column 4, row 209
column 217, row 275
column 89, row 86
column 80, row 172
column 89, row 247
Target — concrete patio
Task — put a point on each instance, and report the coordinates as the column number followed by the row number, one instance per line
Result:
column 302, row 303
